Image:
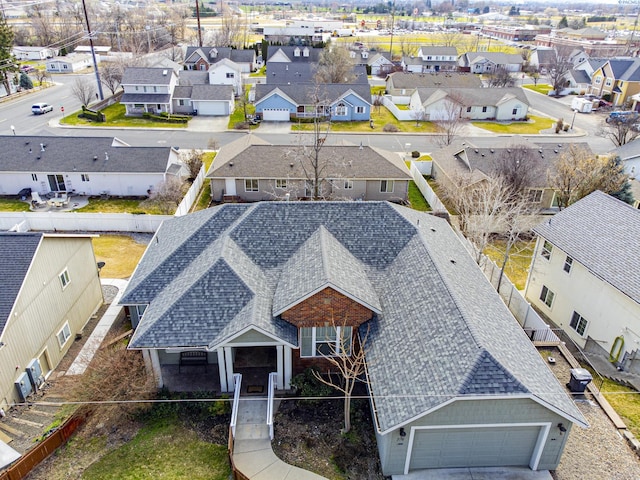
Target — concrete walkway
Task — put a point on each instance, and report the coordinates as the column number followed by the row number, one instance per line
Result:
column 252, row 452
column 93, row 343
column 488, row 473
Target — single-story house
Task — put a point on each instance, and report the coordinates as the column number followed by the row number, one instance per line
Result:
column 379, row 62
column 33, row 53
column 83, row 166
column 340, row 101
column 250, row 169
column 474, row 103
column 453, row 379
column 400, row 85
column 589, row 284
column 51, row 290
column 216, row 100
column 629, row 153
column 71, row 63
column 486, row 62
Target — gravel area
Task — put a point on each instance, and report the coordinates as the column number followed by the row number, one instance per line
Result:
column 597, row 452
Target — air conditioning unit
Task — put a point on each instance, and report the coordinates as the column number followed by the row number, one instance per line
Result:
column 23, row 386
column 34, row 371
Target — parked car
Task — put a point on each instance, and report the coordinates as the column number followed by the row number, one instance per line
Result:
column 41, row 108
column 27, row 69
column 622, row 116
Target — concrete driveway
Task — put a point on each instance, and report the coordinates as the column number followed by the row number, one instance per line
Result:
column 203, row 123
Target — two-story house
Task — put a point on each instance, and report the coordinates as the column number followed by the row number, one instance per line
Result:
column 587, row 283
column 202, row 58
column 148, row 90
column 226, row 72
column 431, row 59
column 617, row 79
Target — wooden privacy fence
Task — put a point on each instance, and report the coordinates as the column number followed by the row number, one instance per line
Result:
column 21, row 467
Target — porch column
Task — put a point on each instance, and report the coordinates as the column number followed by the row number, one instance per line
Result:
column 228, row 358
column 151, row 359
column 280, row 370
column 222, row 371
column 287, row 367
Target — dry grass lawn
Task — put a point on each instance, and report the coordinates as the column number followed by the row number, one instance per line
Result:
column 120, row 253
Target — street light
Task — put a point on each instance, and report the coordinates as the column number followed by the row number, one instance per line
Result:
column 574, row 118
column 13, row 129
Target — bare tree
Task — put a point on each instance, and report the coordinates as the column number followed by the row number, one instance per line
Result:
column 193, row 162
column 349, row 359
column 42, row 76
column 577, row 173
column 622, row 130
column 334, row 66
column 168, row 195
column 450, row 121
column 232, row 32
column 111, row 75
column 418, row 113
column 500, row 78
column 558, row 68
column 84, row 90
column 519, row 166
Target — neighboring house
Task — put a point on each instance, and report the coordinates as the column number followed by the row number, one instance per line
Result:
column 71, row 63
column 33, row 53
column 589, row 284
column 477, row 164
column 401, row 85
column 486, row 62
column 629, row 153
column 543, row 58
column 148, row 90
column 431, row 59
column 252, row 170
column 295, row 54
column 297, row 73
column 577, row 80
column 340, row 101
column 84, row 166
column 473, row 103
column 215, row 100
column 379, row 62
column 202, row 58
column 51, row 289
column 454, row 380
column 618, row 79
column 226, row 72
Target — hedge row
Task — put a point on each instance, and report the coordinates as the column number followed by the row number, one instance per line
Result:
column 92, row 115
column 166, row 117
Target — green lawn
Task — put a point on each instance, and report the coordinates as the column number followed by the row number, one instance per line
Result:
column 238, row 115
column 13, row 205
column 416, row 199
column 118, row 205
column 542, row 88
column 532, row 127
column 519, row 259
column 115, row 117
column 163, row 450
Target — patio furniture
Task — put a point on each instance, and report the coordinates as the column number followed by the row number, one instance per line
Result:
column 193, row 357
column 60, row 200
column 36, row 201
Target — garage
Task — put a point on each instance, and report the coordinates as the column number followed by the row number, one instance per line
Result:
column 477, row 446
column 275, row 114
column 212, row 108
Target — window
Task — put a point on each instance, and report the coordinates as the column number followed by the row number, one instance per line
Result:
column 598, row 80
column 535, row 195
column 325, row 341
column 546, row 250
column 281, row 183
column 386, row 186
column 514, row 111
column 136, row 88
column 578, row 323
column 144, row 89
column 56, row 183
column 181, row 102
column 85, row 177
column 202, row 67
column 34, row 177
column 567, row 264
column 341, row 109
column 348, row 185
column 64, row 278
column 230, row 75
column 64, row 334
column 155, row 89
column 468, row 109
column 607, row 82
column 546, row 296
column 484, row 109
column 251, row 185
column 360, row 109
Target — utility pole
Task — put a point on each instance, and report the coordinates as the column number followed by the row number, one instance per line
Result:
column 93, row 52
column 393, row 15
column 198, row 17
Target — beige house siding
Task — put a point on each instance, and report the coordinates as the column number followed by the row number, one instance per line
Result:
column 43, row 307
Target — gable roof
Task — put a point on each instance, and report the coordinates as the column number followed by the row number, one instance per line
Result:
column 498, row 58
column 613, row 255
column 304, row 93
column 17, row 251
column 430, row 343
column 448, row 79
column 68, row 154
column 193, row 53
column 626, row 69
column 438, row 50
column 193, row 77
column 249, row 158
column 289, row 52
column 147, row 76
column 284, row 72
column 473, row 96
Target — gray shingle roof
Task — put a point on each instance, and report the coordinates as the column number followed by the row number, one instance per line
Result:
column 304, row 93
column 147, row 76
column 476, row 96
column 244, row 159
column 68, row 154
column 613, row 254
column 289, row 51
column 448, row 79
column 193, row 77
column 282, row 72
column 212, row 274
column 438, row 50
column 145, row 98
column 212, row 92
column 17, row 251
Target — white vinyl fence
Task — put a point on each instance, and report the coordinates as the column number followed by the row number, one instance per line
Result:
column 399, row 114
column 192, row 195
column 426, row 190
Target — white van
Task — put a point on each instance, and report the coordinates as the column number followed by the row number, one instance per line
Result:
column 40, row 108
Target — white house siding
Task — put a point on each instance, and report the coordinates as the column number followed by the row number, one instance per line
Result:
column 219, row 108
column 499, row 413
column 505, row 110
column 609, row 312
column 477, row 113
column 43, row 307
column 218, row 76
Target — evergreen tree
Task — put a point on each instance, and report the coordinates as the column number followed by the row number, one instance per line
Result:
column 624, row 194
column 563, row 23
column 25, row 81
column 8, row 64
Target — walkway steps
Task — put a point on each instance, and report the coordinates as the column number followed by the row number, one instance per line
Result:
column 9, row 429
column 29, row 423
column 5, row 438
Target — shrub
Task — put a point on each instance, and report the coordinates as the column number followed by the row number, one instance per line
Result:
column 389, row 127
column 559, row 125
column 565, row 127
column 415, row 154
column 241, row 126
column 220, row 408
column 309, row 386
column 92, row 115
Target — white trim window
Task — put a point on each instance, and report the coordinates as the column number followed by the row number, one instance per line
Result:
column 281, row 183
column 64, row 278
column 341, row 110
column 535, row 195
column 251, row 185
column 578, row 323
column 360, row 109
column 64, row 334
column 386, row 186
column 568, row 263
column 547, row 248
column 325, row 341
column 547, row 296
column 347, row 185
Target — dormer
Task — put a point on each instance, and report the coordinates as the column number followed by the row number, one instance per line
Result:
column 305, row 52
column 365, row 54
column 213, row 53
column 296, row 52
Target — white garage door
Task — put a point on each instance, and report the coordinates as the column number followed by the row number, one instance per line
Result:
column 212, row 108
column 275, row 114
column 477, row 447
